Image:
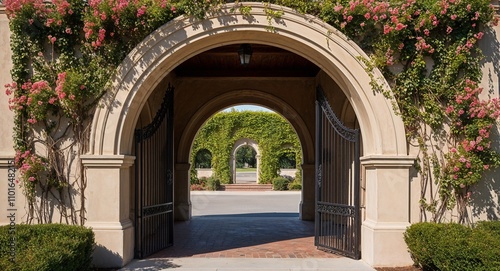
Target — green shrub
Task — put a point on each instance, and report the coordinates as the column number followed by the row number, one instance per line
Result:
column 47, row 247
column 450, row 247
column 486, row 238
column 213, row 183
column 295, row 185
column 280, row 183
column 194, row 180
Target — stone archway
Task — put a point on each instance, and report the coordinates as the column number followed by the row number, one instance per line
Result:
column 385, row 159
column 238, row 144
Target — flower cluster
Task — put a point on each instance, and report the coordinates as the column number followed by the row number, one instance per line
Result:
column 36, row 98
column 120, row 24
column 445, row 34
column 30, row 165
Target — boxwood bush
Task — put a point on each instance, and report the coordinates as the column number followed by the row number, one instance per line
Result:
column 450, row 247
column 280, row 183
column 47, row 247
column 213, row 184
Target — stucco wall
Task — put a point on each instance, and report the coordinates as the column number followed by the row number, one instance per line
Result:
column 486, row 196
column 6, row 124
column 6, row 116
column 485, row 203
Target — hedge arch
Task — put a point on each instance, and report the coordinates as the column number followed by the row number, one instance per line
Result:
column 266, row 132
column 237, row 145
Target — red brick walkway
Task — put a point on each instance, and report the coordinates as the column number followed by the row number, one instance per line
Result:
column 244, row 236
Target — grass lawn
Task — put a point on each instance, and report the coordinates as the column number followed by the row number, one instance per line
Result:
column 246, row 169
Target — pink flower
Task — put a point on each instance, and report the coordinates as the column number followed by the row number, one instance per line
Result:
column 486, row 167
column 400, row 26
column 52, row 39
column 450, row 109
column 387, row 29
column 141, row 11
column 31, row 179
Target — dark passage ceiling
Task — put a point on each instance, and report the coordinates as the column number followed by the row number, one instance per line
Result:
column 267, row 61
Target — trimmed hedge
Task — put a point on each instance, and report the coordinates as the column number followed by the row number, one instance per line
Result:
column 280, row 183
column 295, row 186
column 213, row 184
column 47, row 247
column 450, row 247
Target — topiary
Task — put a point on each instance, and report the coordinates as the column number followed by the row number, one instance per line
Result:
column 280, row 183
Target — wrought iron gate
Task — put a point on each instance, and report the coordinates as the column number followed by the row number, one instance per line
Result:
column 154, row 181
column 337, row 183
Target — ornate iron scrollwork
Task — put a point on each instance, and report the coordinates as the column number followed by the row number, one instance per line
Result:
column 335, row 209
column 319, row 175
column 148, row 131
column 345, row 132
column 157, row 209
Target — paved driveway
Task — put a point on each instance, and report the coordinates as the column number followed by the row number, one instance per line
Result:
column 225, row 202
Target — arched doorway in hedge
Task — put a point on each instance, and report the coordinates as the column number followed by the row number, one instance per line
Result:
column 238, row 145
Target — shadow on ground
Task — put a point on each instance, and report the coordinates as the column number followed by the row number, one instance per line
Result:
column 217, row 233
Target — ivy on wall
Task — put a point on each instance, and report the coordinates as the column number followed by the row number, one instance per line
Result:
column 65, row 51
column 273, row 134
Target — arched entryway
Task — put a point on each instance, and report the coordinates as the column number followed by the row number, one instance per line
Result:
column 239, row 144
column 385, row 160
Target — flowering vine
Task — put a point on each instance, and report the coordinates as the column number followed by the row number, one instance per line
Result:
column 65, row 51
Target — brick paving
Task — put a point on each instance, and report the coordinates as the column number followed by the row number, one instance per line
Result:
column 244, row 236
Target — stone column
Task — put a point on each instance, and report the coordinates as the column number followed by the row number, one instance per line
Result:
column 308, row 199
column 233, row 168
column 108, row 205
column 387, row 210
column 257, row 168
column 182, row 187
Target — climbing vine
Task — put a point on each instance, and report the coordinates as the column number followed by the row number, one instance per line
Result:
column 65, row 51
column 273, row 134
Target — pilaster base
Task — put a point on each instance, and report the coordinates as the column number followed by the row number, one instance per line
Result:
column 182, row 211
column 307, row 210
column 114, row 244
column 383, row 244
